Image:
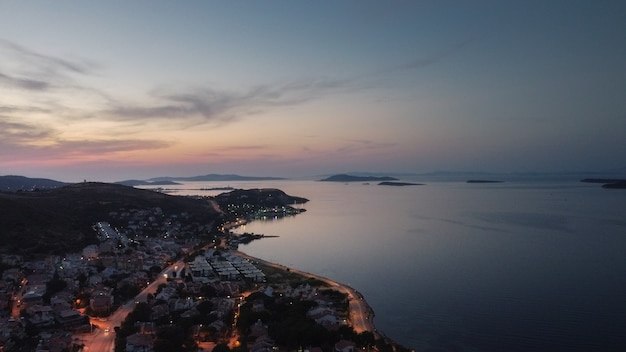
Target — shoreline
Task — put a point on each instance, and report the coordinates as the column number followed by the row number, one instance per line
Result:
column 361, row 313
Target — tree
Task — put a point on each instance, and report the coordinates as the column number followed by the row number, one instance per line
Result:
column 205, row 307
column 53, row 286
column 365, row 339
column 169, row 338
column 221, row 347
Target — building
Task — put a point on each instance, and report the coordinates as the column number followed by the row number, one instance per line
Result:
column 101, row 302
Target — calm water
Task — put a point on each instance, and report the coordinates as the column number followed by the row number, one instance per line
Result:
column 466, row 267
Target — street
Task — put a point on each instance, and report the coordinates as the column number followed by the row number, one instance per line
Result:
column 102, row 338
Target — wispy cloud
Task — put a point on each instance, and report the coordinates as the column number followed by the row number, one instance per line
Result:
column 427, row 60
column 20, row 139
column 22, row 83
column 361, row 144
column 187, row 106
column 50, row 63
column 220, row 106
column 108, row 146
column 27, row 69
column 179, row 108
column 12, row 133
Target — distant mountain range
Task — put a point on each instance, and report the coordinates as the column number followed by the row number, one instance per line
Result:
column 13, row 183
column 133, row 183
column 214, row 177
column 352, row 178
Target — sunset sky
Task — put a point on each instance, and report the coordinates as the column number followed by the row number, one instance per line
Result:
column 113, row 90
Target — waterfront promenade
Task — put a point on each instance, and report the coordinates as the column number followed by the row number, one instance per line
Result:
column 361, row 314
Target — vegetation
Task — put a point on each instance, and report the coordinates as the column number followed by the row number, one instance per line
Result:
column 60, row 220
column 289, row 326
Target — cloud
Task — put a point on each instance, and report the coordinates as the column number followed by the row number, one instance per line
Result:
column 427, row 60
column 16, row 153
column 108, row 146
column 21, row 133
column 188, row 106
column 23, row 68
column 23, row 83
column 220, row 106
column 20, row 140
column 361, row 145
column 47, row 62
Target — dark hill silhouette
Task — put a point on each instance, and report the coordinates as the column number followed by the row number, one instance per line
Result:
column 60, row 220
column 265, row 197
column 14, row 183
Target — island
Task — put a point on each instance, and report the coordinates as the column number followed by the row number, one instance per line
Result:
column 351, row 178
column 484, row 181
column 216, row 177
column 390, row 183
column 134, row 183
column 615, row 185
column 610, row 183
column 602, row 180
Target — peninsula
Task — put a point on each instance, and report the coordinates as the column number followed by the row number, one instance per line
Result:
column 132, row 269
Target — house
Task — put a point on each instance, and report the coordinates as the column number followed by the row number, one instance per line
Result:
column 91, row 252
column 33, row 295
column 132, row 262
column 147, row 328
column 13, row 274
column 218, row 325
column 160, row 311
column 262, row 344
column 11, row 330
column 167, row 293
column 70, row 319
column 345, row 346
column 139, row 342
column 54, row 342
column 40, row 315
column 181, row 304
column 101, row 302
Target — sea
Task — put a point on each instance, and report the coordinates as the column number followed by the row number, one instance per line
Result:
column 522, row 265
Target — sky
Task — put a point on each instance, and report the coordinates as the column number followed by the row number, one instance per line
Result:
column 115, row 90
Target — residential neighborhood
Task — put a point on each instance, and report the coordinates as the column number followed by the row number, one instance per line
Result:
column 143, row 288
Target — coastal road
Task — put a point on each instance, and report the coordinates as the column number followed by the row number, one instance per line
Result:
column 361, row 314
column 102, row 339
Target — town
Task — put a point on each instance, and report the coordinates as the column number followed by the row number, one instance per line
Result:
column 155, row 282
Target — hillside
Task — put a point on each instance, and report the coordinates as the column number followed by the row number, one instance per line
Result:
column 13, row 183
column 60, row 220
column 265, row 197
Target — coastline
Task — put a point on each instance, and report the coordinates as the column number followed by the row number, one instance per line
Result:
column 361, row 314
